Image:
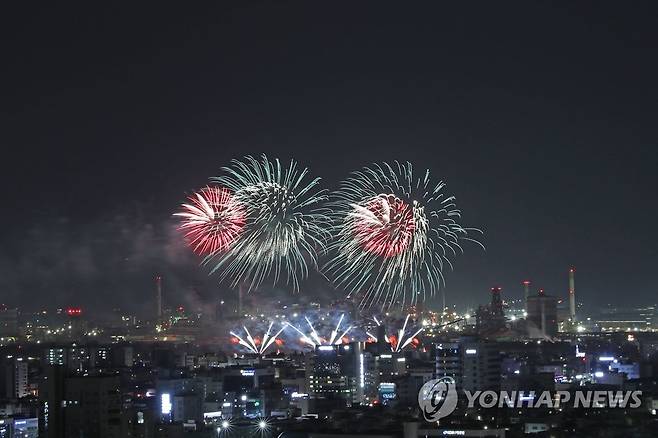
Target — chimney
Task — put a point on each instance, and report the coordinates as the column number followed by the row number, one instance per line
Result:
column 526, row 292
column 158, row 297
column 572, row 294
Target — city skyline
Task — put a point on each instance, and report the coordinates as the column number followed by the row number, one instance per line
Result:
column 329, row 220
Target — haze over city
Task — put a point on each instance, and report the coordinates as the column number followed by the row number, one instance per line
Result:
column 329, row 220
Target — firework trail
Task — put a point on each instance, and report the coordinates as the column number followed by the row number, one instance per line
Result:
column 399, row 342
column 394, row 235
column 312, row 337
column 283, row 230
column 258, row 345
column 212, row 220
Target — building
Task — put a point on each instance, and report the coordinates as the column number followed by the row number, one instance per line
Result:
column 55, row 356
column 113, row 356
column 474, row 364
column 51, row 399
column 80, row 405
column 336, row 376
column 187, row 406
column 19, row 427
column 542, row 316
column 93, row 406
column 408, row 386
column 77, row 325
column 449, row 361
column 490, row 319
column 613, row 319
column 8, row 322
column 19, row 377
column 78, row 359
column 14, row 378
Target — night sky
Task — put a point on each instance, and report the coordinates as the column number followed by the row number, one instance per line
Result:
column 540, row 117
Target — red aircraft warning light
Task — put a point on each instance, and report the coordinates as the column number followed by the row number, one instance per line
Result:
column 74, row 311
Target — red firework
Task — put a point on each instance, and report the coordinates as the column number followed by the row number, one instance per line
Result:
column 212, row 221
column 384, row 226
column 393, row 340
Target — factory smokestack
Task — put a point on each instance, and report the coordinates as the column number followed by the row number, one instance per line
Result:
column 241, row 291
column 526, row 292
column 572, row 294
column 158, row 297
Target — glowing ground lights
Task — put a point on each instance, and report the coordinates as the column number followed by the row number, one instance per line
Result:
column 401, row 340
column 312, row 338
column 258, row 344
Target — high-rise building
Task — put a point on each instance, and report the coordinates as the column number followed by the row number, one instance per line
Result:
column 74, row 406
column 78, row 359
column 449, row 361
column 20, row 376
column 55, row 356
column 51, row 399
column 77, row 325
column 474, row 364
column 336, row 376
column 93, row 407
column 14, row 383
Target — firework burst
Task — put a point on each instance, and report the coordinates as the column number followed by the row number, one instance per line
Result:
column 283, row 231
column 313, row 339
column 401, row 340
column 257, row 345
column 395, row 233
column 212, row 220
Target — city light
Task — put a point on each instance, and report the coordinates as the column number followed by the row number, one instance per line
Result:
column 165, row 403
column 262, row 426
column 246, row 221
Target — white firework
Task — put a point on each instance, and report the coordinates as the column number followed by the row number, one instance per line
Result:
column 313, row 339
column 402, row 340
column 283, row 232
column 258, row 345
